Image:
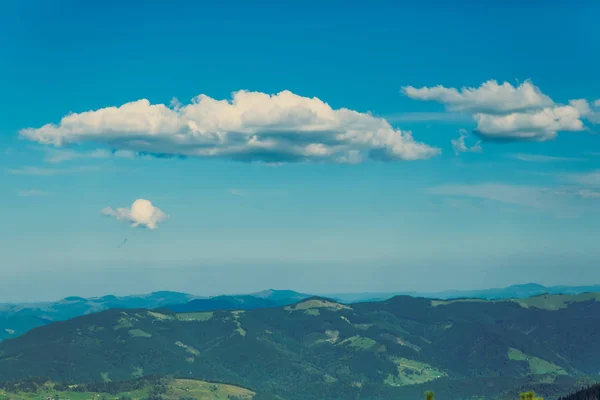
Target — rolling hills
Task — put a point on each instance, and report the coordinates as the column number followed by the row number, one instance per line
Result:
column 16, row 319
column 318, row 348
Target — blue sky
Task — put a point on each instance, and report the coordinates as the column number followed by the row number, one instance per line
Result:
column 285, row 190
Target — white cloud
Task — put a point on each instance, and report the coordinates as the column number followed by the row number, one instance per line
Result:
column 32, row 193
column 141, row 212
column 460, row 146
column 542, row 158
column 586, row 111
column 253, row 126
column 489, row 98
column 538, row 125
column 504, row 112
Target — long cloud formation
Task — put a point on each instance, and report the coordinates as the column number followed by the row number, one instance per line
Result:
column 253, row 126
column 504, row 112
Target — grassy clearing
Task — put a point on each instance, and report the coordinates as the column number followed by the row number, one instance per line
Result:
column 311, row 304
column 178, row 388
column 436, row 303
column 191, row 350
column 159, row 316
column 411, row 372
column 195, row 316
column 359, row 342
column 555, row 302
column 139, row 333
column 537, row 366
column 551, row 302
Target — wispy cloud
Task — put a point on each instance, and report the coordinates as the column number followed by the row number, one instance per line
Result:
column 38, row 171
column 542, row 158
column 591, row 178
column 33, row 193
column 529, row 196
column 459, row 145
column 236, row 192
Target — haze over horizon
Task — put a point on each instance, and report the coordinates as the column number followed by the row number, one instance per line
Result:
column 228, row 149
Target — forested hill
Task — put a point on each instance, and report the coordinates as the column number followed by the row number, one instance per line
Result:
column 318, row 348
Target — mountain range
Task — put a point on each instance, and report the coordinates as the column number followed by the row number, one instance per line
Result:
column 318, row 348
column 16, row 319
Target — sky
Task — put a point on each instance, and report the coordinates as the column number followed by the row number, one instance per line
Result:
column 227, row 147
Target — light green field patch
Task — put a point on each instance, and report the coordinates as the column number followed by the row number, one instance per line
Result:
column 159, row 316
column 332, row 337
column 362, row 327
column 537, row 366
column 406, row 343
column 359, row 342
column 195, row 316
column 555, row 302
column 138, row 372
column 139, row 333
column 124, row 322
column 308, row 304
column 312, row 311
column 9, row 331
column 104, row 376
column 329, row 379
column 177, row 389
column 239, row 329
column 187, row 348
column 411, row 372
column 436, row 303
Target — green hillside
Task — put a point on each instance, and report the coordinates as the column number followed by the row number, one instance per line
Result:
column 320, row 349
column 160, row 389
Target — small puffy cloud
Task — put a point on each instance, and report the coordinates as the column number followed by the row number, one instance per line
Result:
column 253, row 126
column 489, row 98
column 460, row 146
column 141, row 213
column 504, row 112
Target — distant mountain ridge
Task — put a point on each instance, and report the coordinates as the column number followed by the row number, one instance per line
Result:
column 16, row 319
column 265, row 299
column 509, row 292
